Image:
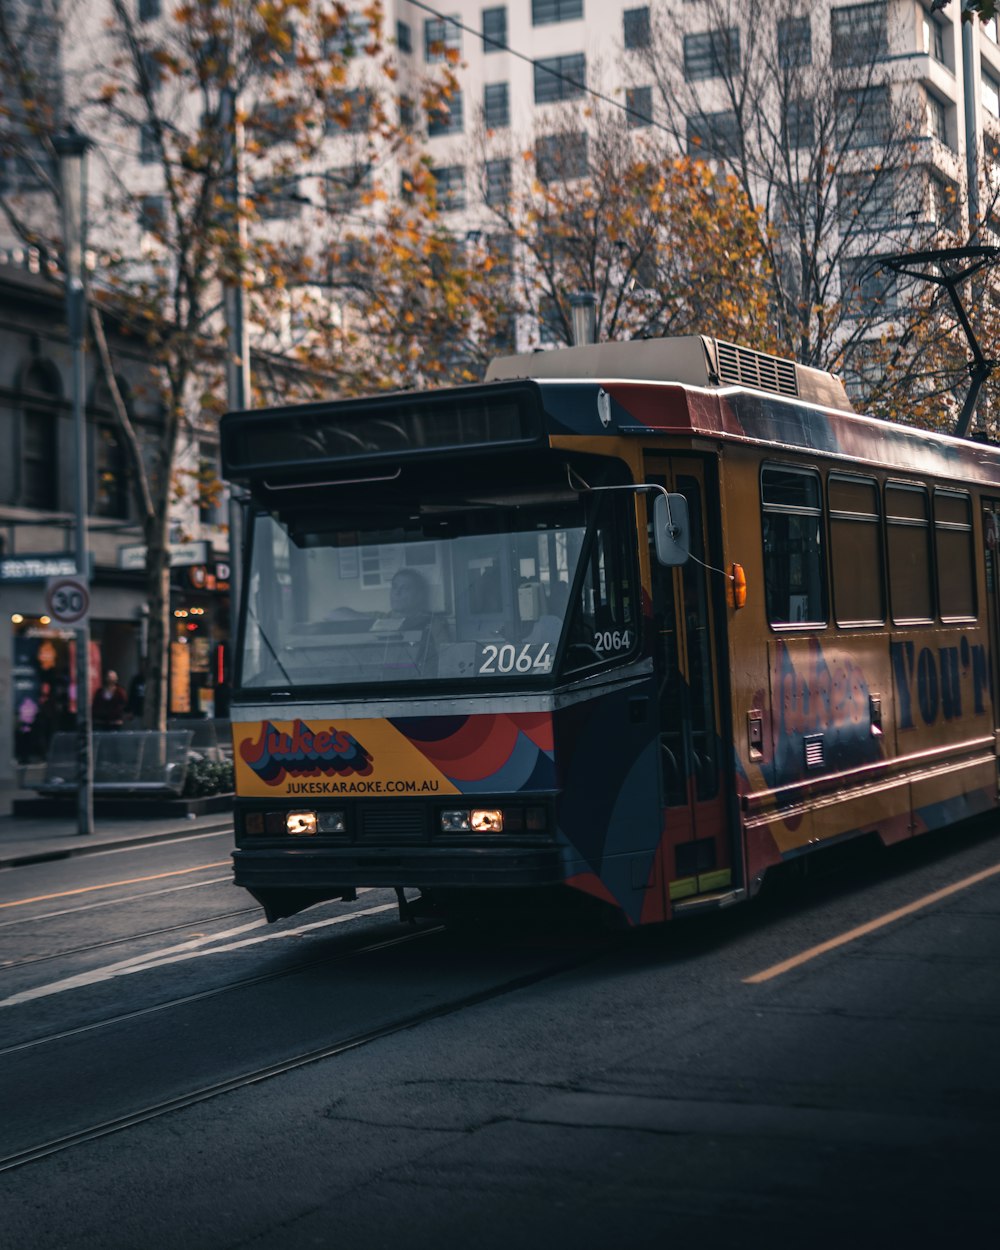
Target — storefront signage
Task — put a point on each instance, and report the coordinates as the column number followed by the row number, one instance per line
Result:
column 133, row 559
column 36, row 568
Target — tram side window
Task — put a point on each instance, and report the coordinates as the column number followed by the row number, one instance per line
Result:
column 955, row 558
column 907, row 514
column 856, row 550
column 794, row 562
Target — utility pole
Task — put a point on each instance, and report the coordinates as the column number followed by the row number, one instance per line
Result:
column 237, row 332
column 71, row 149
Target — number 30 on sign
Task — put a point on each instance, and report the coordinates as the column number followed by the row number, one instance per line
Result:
column 67, row 600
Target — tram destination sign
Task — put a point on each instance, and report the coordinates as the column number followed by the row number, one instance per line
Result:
column 36, row 567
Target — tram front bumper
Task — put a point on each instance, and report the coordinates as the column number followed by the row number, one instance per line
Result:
column 334, row 868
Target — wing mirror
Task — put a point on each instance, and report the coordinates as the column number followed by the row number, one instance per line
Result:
column 671, row 529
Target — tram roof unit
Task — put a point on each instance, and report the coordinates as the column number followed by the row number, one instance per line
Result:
column 690, row 359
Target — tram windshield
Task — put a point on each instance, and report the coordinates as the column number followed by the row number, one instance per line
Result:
column 454, row 592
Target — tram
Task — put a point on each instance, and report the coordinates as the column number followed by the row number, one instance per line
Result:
column 637, row 620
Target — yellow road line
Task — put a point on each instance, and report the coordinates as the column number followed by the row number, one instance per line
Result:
column 113, row 885
column 853, row 934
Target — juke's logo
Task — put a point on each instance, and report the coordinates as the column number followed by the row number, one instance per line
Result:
column 305, row 752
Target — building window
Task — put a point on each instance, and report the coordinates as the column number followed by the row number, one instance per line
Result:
column 799, row 126
column 544, row 12
column 863, row 117
column 149, row 147
column 943, row 202
column 496, row 105
column 858, row 34
column 152, row 214
column 867, row 199
column 110, row 473
column 148, row 10
column 407, row 113
column 865, row 287
column 497, row 182
column 937, row 119
column 711, row 54
column 856, row 550
column 635, row 27
column 495, row 29
column 560, row 157
column 449, row 185
column 794, row 42
column 351, row 36
column 639, row 102
column 344, row 186
column 551, row 327
column 209, row 486
column 991, row 93
column 274, row 122
column 447, row 117
column 794, row 565
column 277, row 199
column 350, row 112
column 933, row 36
column 713, row 135
column 150, row 71
column 560, row 78
column 907, row 514
column 39, row 443
column 441, row 36
column 404, row 37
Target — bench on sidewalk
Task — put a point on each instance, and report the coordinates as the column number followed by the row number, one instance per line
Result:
column 127, row 762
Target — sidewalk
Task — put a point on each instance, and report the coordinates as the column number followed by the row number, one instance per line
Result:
column 37, row 839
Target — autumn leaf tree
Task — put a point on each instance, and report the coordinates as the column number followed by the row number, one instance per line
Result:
column 834, row 156
column 666, row 244
column 165, row 101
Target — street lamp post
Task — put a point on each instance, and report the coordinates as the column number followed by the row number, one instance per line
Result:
column 71, row 149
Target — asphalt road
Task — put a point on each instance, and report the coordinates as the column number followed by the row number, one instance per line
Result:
column 176, row 1073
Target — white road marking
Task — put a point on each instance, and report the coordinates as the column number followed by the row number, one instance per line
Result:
column 178, row 954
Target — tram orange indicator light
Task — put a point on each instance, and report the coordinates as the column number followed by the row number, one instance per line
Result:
column 737, row 587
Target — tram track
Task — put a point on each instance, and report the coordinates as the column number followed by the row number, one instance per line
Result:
column 217, row 991
column 266, row 1072
column 33, row 960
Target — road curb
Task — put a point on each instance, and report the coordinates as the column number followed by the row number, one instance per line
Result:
column 87, row 846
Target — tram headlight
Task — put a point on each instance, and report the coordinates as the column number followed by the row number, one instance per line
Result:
column 475, row 820
column 332, row 822
column 301, row 824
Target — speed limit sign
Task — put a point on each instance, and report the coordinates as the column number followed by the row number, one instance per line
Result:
column 68, row 600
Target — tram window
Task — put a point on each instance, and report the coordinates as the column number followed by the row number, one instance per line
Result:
column 954, row 550
column 604, row 624
column 907, row 514
column 856, row 550
column 794, row 563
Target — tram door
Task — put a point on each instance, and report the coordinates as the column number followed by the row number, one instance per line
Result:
column 699, row 851
column 991, row 544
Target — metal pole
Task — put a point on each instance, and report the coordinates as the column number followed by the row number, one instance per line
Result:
column 237, row 331
column 71, row 149
column 76, row 301
column 971, row 96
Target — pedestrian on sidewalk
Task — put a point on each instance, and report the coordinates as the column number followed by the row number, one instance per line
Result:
column 108, row 708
